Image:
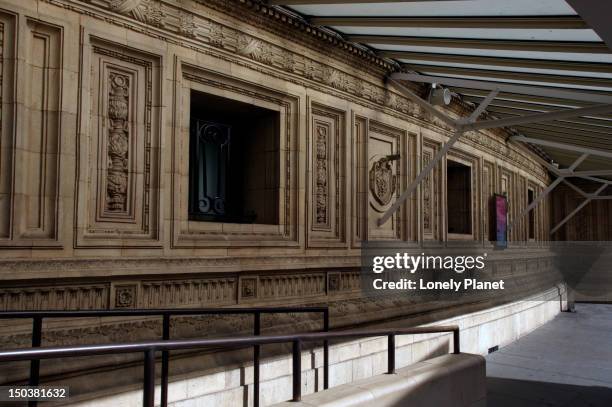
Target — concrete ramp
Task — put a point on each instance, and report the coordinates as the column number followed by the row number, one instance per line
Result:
column 448, row 380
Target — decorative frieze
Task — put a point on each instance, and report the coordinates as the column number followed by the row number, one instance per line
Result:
column 145, row 11
column 340, row 282
column 64, row 297
column 197, row 292
column 301, row 285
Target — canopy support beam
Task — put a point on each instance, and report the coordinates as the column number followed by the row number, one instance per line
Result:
column 457, row 124
column 578, row 209
column 561, row 177
column 470, row 123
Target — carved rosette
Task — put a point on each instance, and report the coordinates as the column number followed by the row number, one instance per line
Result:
column 382, row 181
column 321, row 174
column 118, row 143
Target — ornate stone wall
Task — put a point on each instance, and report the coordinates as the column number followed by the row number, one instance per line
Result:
column 94, row 160
column 94, row 143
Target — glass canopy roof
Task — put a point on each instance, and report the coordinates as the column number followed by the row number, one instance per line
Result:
column 535, row 43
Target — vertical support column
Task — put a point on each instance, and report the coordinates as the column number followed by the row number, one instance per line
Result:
column 391, row 354
column 35, row 363
column 456, row 341
column 256, row 357
column 578, row 208
column 148, row 394
column 326, row 350
column 165, row 361
column 297, row 370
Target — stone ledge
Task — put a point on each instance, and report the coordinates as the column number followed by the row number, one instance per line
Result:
column 448, row 380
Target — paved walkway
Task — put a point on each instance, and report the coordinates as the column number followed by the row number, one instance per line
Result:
column 567, row 362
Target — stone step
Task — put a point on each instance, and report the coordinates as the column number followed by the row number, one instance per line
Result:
column 449, row 380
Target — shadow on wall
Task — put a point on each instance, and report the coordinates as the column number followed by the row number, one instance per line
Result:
column 511, row 393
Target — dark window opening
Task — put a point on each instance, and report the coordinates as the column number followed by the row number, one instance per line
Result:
column 531, row 214
column 233, row 161
column 459, row 197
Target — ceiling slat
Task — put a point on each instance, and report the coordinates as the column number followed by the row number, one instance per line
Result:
column 552, row 22
column 523, row 111
column 499, row 61
column 515, row 45
column 513, row 75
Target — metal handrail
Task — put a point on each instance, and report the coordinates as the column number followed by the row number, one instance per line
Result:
column 38, row 316
column 150, row 347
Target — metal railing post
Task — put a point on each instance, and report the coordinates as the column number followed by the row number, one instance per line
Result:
column 148, row 395
column 456, row 341
column 326, row 350
column 297, row 370
column 256, row 355
column 35, row 363
column 391, row 354
column 165, row 361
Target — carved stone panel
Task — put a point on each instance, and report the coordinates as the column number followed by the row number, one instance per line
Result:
column 7, row 103
column 359, row 154
column 506, row 183
column 387, row 171
column 431, row 194
column 327, row 177
column 118, row 192
column 35, row 192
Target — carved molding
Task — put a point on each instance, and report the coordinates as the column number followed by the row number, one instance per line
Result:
column 321, row 198
column 118, row 143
